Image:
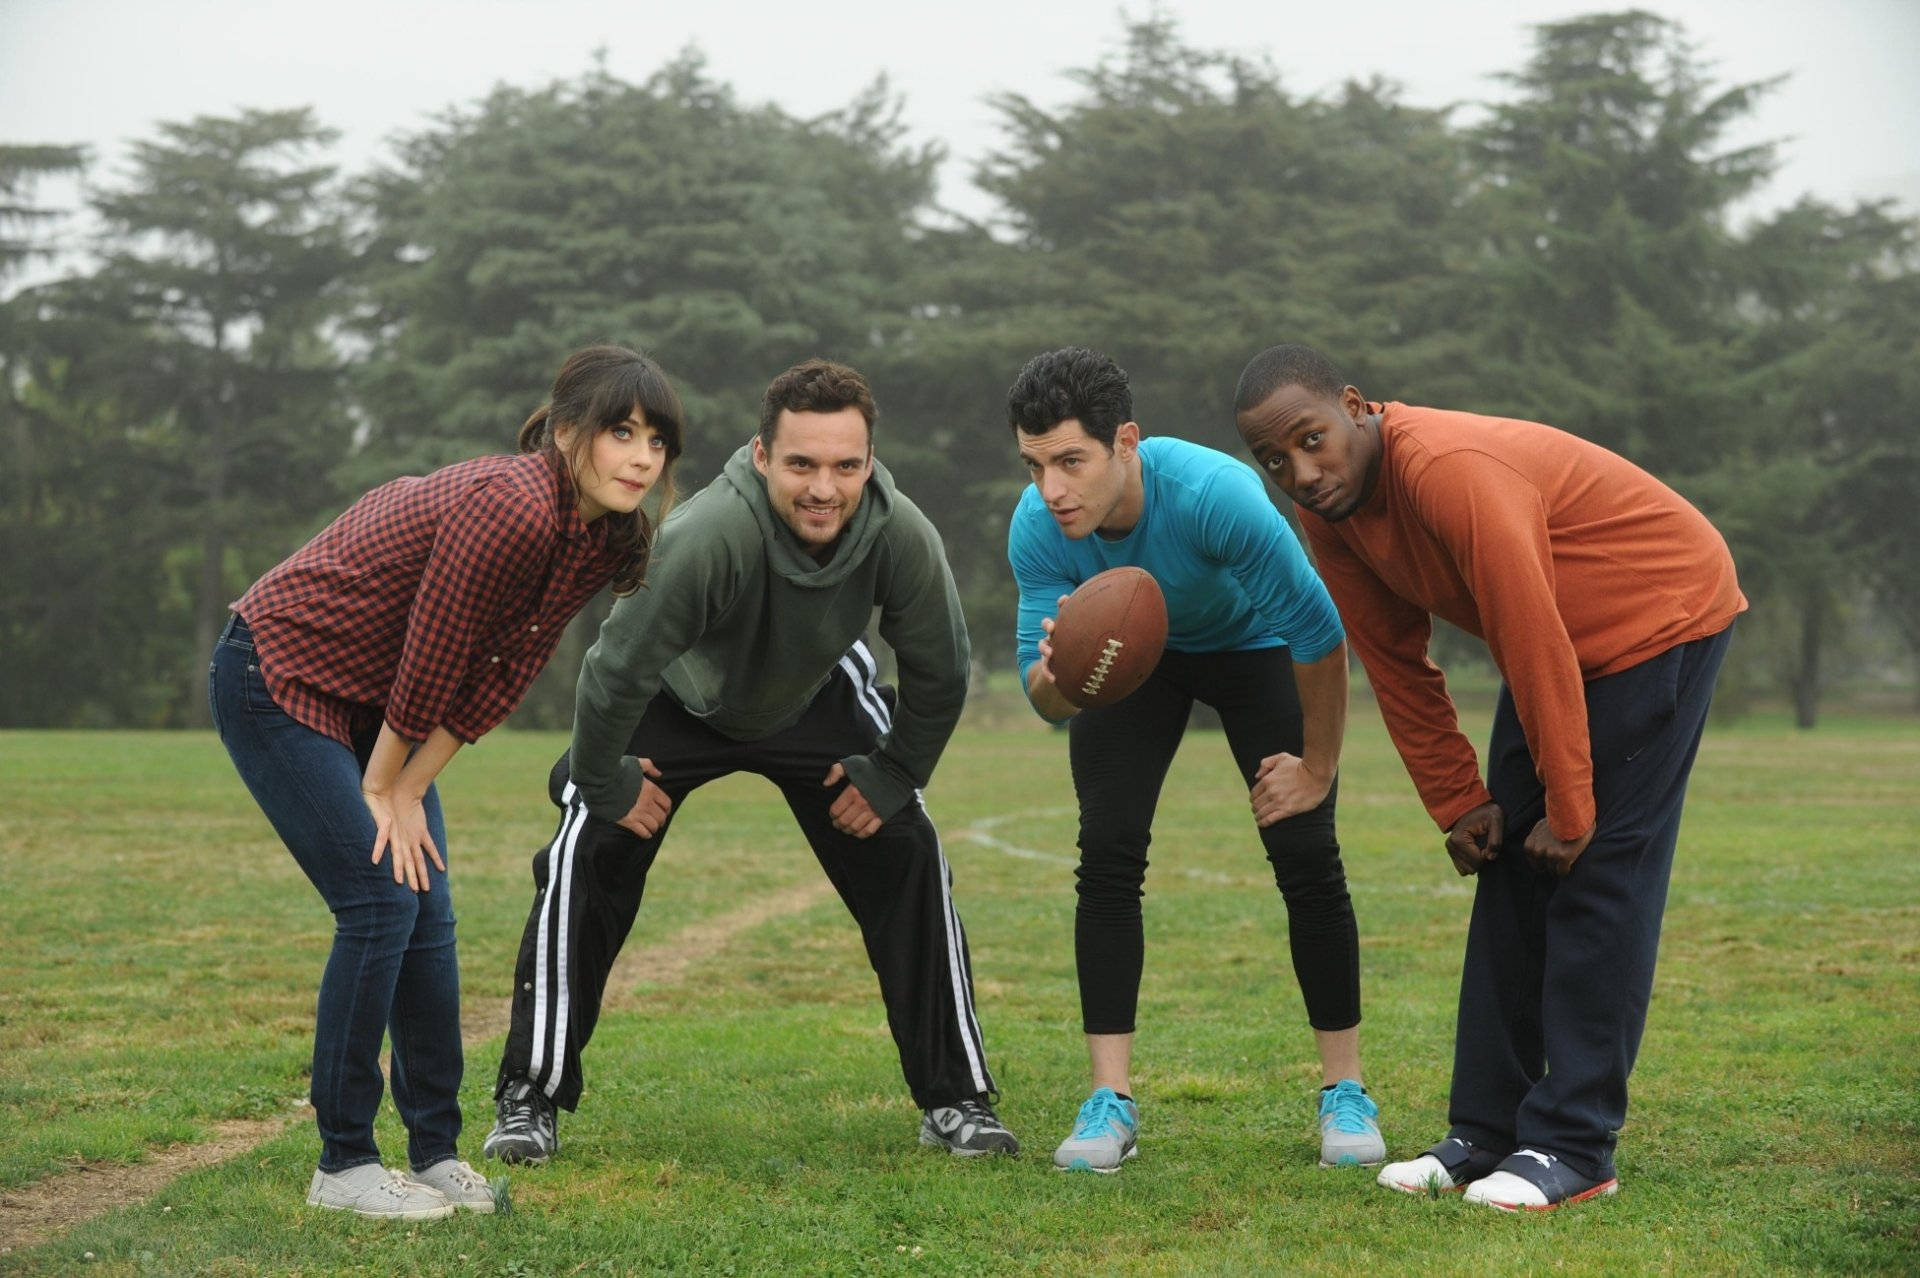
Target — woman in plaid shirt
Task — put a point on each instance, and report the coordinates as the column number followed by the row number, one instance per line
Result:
column 350, row 675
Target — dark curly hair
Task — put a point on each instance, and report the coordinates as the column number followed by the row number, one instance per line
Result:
column 1075, row 383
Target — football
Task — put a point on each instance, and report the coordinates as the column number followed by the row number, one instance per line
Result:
column 1109, row 636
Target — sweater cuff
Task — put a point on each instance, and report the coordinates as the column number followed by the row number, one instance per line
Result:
column 884, row 793
column 615, row 797
column 1570, row 820
column 1446, row 816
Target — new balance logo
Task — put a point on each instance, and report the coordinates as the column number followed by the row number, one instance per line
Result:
column 950, row 1121
column 967, row 1129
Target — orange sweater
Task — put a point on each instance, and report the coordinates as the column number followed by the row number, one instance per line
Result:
column 1570, row 561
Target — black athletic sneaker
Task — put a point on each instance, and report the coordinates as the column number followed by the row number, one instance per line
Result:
column 525, row 1127
column 967, row 1129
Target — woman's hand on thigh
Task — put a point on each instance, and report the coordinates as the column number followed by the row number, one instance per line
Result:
column 400, row 826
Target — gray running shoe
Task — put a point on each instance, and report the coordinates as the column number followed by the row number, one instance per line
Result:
column 458, row 1183
column 1349, row 1136
column 525, row 1128
column 377, row 1192
column 967, row 1129
column 1103, row 1135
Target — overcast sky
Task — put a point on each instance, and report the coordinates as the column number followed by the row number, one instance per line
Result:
column 103, row 72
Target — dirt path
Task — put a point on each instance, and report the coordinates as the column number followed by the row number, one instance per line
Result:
column 37, row 1213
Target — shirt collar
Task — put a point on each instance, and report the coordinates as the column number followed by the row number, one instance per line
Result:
column 566, row 508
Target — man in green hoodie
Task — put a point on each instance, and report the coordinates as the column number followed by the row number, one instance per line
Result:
column 744, row 653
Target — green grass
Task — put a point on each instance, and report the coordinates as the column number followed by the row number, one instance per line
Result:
column 159, row 953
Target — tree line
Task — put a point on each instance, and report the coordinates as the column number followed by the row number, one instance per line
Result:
column 256, row 337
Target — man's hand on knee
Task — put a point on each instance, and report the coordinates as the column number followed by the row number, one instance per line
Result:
column 1285, row 786
column 851, row 812
column 649, row 811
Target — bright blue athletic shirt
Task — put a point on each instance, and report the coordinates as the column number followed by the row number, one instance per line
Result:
column 1233, row 573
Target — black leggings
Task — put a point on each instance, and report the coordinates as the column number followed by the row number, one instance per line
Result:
column 1120, row 757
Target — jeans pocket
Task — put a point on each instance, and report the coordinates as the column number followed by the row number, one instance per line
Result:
column 259, row 700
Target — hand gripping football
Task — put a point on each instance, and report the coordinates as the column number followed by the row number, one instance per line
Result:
column 1109, row 636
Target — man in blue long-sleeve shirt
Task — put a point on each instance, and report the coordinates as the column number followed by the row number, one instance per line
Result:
column 1253, row 634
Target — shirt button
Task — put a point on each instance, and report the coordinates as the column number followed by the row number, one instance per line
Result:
column 534, row 628
column 494, row 660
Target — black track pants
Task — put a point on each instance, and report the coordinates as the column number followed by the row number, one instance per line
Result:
column 1120, row 756
column 896, row 884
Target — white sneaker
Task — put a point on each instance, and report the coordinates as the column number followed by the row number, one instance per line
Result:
column 1540, row 1182
column 1423, row 1175
column 458, row 1183
column 378, row 1192
column 1451, row 1165
column 1506, row 1191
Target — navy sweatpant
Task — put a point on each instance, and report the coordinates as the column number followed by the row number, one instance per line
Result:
column 1558, row 972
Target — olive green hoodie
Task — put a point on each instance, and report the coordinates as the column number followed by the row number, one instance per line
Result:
column 744, row 626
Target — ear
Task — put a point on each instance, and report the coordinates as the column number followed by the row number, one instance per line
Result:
column 760, row 462
column 1354, row 402
column 1126, row 440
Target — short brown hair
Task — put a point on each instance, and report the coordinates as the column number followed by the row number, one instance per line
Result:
column 815, row 386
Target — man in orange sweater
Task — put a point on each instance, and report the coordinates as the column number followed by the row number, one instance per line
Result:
column 1607, row 602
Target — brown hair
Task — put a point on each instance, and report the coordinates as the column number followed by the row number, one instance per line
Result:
column 815, row 386
column 598, row 388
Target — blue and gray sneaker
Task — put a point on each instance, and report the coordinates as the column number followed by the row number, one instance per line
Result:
column 1349, row 1136
column 1103, row 1135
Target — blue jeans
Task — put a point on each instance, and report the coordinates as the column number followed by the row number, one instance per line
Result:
column 393, row 966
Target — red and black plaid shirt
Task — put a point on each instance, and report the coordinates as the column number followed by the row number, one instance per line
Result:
column 433, row 600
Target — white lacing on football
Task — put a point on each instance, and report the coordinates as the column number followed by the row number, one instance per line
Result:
column 1102, row 666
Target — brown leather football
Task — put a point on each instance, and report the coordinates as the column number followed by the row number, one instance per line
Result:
column 1109, row 636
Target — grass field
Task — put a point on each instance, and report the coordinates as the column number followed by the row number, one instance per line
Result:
column 159, row 954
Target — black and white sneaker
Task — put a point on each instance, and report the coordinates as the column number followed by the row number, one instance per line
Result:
column 1532, row 1181
column 525, row 1127
column 966, row 1129
column 1448, row 1168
